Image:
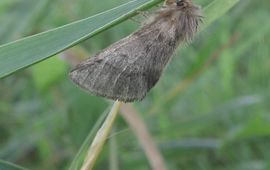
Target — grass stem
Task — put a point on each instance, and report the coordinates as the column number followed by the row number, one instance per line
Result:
column 100, row 138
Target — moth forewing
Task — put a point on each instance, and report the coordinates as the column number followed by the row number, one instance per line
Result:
column 129, row 68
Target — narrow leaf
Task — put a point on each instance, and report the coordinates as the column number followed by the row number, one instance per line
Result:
column 25, row 52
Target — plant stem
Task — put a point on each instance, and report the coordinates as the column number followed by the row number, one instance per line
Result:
column 100, row 138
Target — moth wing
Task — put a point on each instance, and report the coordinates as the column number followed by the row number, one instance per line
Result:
column 125, row 71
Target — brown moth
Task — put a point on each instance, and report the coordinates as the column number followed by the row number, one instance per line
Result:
column 129, row 68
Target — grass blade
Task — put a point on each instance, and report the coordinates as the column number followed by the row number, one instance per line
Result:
column 25, row 52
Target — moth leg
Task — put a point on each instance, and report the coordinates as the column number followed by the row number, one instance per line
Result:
column 145, row 14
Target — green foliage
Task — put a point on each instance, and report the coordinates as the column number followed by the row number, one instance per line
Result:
column 209, row 111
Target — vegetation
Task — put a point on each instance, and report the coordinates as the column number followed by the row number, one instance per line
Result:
column 210, row 110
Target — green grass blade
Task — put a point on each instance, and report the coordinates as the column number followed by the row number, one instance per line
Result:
column 25, row 52
column 9, row 166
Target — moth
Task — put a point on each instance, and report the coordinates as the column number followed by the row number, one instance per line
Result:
column 129, row 68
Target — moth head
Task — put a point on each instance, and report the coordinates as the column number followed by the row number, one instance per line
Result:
column 178, row 3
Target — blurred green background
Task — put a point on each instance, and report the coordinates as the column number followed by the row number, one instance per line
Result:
column 210, row 110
